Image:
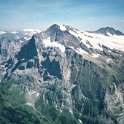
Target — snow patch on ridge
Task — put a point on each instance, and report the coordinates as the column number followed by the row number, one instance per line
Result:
column 97, row 40
column 95, row 55
column 14, row 32
column 48, row 43
column 63, row 28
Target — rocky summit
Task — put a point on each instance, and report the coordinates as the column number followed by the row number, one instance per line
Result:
column 62, row 76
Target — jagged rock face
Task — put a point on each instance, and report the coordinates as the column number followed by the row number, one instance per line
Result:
column 8, row 49
column 28, row 51
column 62, row 37
column 84, row 85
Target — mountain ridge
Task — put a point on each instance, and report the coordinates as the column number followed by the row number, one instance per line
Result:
column 108, row 31
column 103, row 30
column 66, row 75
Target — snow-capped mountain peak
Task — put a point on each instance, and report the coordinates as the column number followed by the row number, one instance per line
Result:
column 69, row 69
column 63, row 27
column 91, row 40
column 108, row 31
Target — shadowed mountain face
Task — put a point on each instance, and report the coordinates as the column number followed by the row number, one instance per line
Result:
column 28, row 51
column 66, row 76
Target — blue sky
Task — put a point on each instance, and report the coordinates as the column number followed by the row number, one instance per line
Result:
column 83, row 14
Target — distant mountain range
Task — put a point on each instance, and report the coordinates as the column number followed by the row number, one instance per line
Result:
column 26, row 34
column 21, row 35
column 108, row 31
column 62, row 76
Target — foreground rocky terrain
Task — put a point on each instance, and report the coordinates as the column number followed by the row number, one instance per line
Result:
column 63, row 76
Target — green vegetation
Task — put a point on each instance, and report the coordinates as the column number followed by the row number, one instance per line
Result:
column 53, row 115
column 13, row 108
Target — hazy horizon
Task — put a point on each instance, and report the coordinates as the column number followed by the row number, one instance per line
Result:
column 82, row 14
